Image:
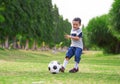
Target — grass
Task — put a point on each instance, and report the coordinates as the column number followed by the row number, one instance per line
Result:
column 31, row 67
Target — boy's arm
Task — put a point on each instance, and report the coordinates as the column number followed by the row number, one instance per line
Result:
column 72, row 37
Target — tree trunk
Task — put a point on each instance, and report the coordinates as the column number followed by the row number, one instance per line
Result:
column 23, row 47
column 14, row 42
column 117, row 50
column 34, row 47
column 18, row 45
column 6, row 42
column 27, row 44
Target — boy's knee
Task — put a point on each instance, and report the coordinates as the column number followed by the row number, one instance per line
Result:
column 67, row 58
column 77, row 59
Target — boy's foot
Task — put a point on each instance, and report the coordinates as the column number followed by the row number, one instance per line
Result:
column 74, row 70
column 62, row 69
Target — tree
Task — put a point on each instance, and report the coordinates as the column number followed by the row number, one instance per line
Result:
column 30, row 22
column 61, row 27
column 115, row 19
column 114, row 25
column 6, row 26
column 100, row 35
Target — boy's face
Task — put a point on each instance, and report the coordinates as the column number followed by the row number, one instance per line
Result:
column 76, row 24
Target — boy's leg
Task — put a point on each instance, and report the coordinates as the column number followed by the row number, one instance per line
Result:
column 78, row 53
column 76, row 65
column 69, row 54
column 65, row 62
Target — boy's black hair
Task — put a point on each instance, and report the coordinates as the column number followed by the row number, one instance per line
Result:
column 77, row 19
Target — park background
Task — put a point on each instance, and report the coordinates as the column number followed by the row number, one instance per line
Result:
column 32, row 35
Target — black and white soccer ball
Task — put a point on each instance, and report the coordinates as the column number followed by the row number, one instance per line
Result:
column 54, row 67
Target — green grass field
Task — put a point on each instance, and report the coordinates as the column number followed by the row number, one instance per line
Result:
column 31, row 67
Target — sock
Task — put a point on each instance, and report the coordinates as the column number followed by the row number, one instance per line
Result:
column 65, row 63
column 76, row 65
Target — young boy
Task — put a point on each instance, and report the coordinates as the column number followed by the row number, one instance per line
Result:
column 75, row 47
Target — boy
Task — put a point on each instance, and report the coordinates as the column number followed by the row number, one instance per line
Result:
column 75, row 47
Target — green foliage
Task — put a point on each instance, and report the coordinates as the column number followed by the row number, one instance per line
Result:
column 60, row 26
column 104, row 31
column 98, row 31
column 2, row 19
column 115, row 19
column 100, row 35
column 33, row 20
column 59, row 45
column 85, row 38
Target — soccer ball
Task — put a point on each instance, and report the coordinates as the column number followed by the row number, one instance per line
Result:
column 54, row 67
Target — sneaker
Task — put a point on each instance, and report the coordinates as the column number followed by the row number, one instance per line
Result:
column 62, row 69
column 74, row 70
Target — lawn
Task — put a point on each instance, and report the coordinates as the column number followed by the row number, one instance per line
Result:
column 31, row 67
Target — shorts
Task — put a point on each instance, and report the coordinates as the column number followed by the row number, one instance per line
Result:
column 74, row 51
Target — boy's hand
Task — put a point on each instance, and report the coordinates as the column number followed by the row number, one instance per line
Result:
column 67, row 36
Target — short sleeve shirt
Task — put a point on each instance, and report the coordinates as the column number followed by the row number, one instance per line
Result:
column 77, row 43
